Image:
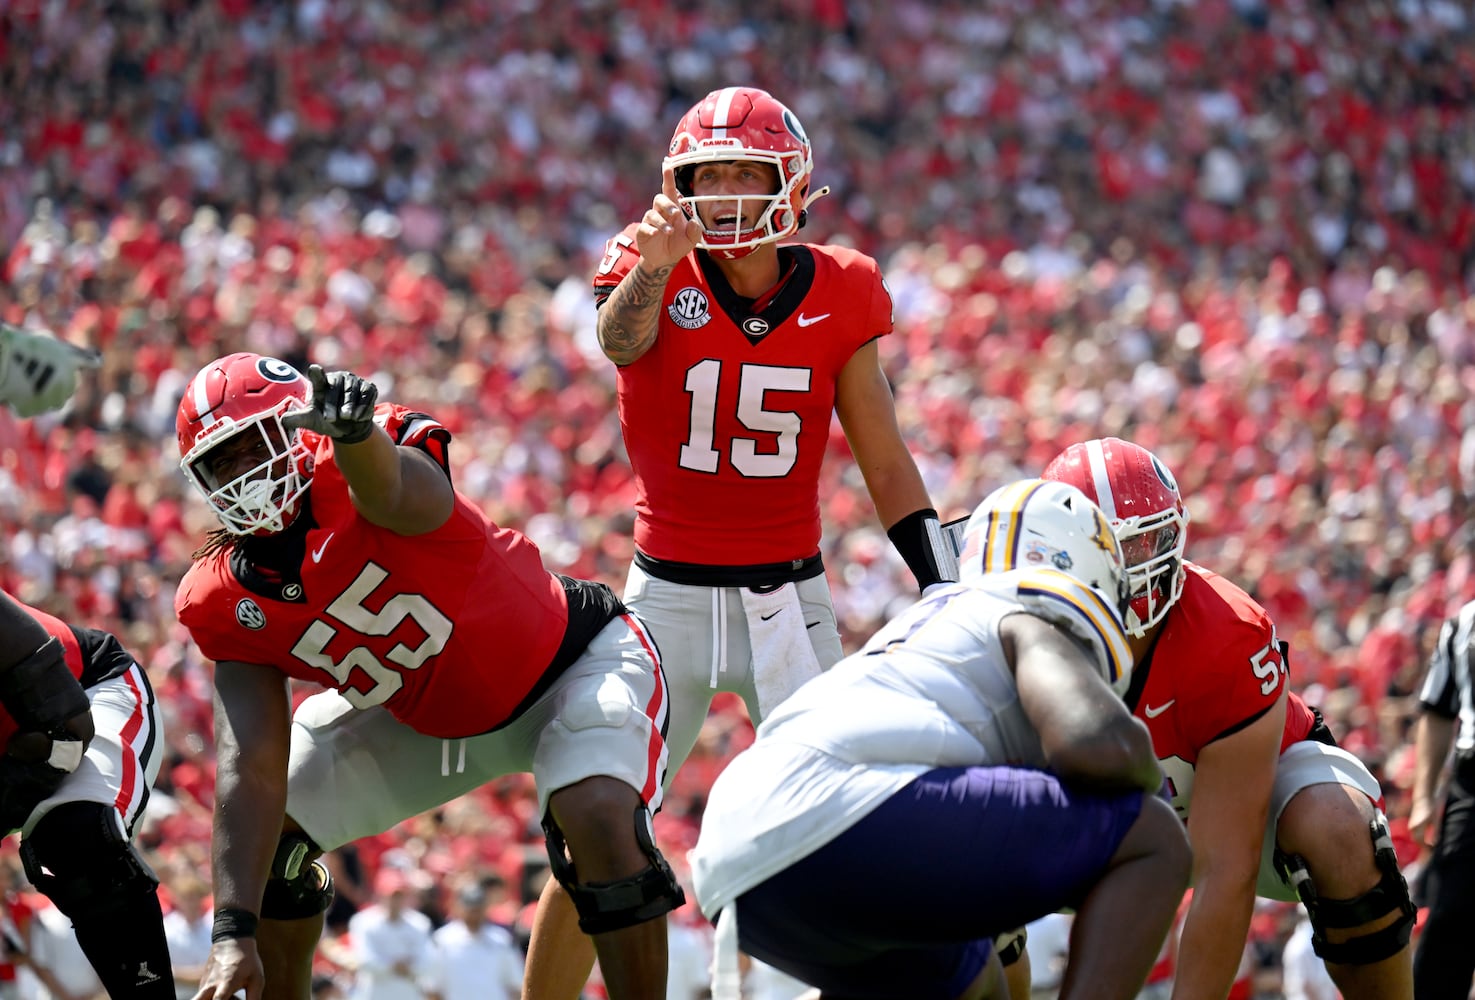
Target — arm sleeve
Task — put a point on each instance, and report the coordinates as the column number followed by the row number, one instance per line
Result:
column 20, row 633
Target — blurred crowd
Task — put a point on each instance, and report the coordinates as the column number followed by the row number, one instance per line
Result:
column 1239, row 232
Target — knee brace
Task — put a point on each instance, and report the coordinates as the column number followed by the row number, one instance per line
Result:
column 78, row 857
column 1390, row 895
column 299, row 886
column 613, row 906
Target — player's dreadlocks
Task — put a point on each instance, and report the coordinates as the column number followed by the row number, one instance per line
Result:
column 217, row 540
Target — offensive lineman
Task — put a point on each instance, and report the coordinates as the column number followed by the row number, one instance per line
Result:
column 346, row 558
column 1273, row 806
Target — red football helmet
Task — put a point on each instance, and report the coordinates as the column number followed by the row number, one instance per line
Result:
column 745, row 123
column 246, row 394
column 1140, row 497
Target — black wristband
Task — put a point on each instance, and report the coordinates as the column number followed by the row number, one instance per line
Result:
column 232, row 923
column 927, row 552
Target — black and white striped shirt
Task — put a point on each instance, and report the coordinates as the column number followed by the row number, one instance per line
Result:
column 1448, row 689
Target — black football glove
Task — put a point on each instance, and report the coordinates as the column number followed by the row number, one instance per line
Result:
column 25, row 783
column 342, row 406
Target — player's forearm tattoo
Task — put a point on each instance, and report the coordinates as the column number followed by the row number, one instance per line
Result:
column 631, row 315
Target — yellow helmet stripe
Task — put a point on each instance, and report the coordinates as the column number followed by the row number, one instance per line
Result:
column 1001, row 535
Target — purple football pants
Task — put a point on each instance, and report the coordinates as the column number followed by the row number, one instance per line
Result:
column 906, row 902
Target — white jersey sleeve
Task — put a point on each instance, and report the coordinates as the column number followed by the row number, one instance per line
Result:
column 1062, row 599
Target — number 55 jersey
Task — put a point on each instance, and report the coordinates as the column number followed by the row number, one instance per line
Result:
column 453, row 631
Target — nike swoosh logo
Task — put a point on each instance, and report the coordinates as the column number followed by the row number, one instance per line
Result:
column 317, row 555
column 766, row 617
column 814, row 624
column 811, row 320
column 1153, row 713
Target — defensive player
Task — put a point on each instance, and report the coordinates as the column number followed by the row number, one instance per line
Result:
column 734, row 354
column 346, row 558
column 971, row 768
column 82, row 733
column 1273, row 805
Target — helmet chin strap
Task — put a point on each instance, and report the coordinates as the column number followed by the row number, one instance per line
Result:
column 816, row 196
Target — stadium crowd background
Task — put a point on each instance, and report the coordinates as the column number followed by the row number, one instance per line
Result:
column 1239, row 232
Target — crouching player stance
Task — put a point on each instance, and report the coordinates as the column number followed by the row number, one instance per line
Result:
column 1273, row 806
column 346, row 558
column 969, row 770
column 81, row 732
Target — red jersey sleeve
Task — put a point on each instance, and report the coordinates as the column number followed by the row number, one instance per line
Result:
column 413, row 429
column 620, row 256
column 883, row 311
column 213, row 633
column 71, row 651
column 1222, row 649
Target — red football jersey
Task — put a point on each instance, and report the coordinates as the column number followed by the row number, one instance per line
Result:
column 71, row 649
column 449, row 630
column 1216, row 667
column 727, row 416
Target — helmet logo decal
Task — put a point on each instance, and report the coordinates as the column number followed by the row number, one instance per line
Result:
column 1062, row 561
column 1105, row 538
column 690, row 309
column 250, row 615
column 792, row 124
column 277, row 370
column 1164, row 474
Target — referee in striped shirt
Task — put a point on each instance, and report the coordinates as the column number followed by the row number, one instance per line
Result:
column 1444, row 963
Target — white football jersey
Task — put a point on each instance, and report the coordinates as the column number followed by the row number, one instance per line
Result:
column 931, row 689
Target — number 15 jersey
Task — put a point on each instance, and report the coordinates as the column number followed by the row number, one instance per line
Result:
column 726, row 418
column 452, row 630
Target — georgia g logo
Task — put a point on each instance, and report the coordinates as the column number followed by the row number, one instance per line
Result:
column 249, row 614
column 277, row 370
column 1164, row 474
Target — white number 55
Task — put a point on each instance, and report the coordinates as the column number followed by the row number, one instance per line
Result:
column 1269, row 664
column 349, row 609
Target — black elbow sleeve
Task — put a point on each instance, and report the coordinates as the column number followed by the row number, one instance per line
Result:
column 40, row 692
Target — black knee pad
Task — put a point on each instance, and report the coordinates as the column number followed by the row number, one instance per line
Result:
column 613, row 906
column 298, row 887
column 78, row 857
column 1390, row 895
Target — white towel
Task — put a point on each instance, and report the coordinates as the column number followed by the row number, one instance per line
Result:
column 783, row 657
column 727, row 976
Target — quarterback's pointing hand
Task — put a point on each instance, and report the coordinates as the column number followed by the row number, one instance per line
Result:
column 666, row 233
column 342, row 406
